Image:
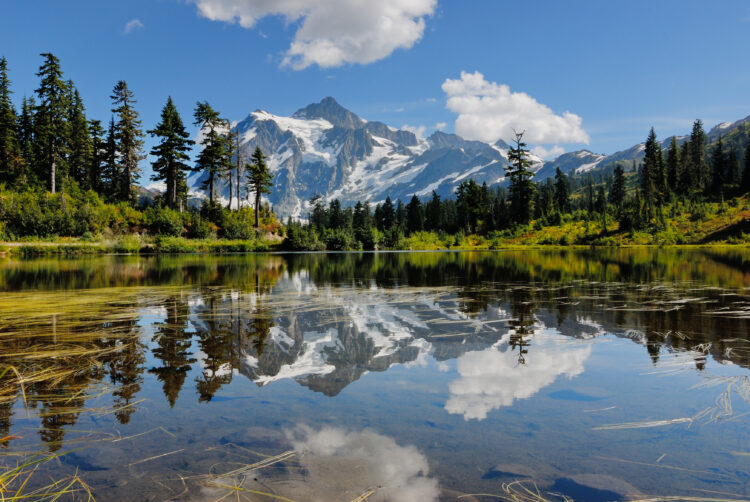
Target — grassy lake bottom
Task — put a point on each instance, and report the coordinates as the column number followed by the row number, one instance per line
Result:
column 611, row 374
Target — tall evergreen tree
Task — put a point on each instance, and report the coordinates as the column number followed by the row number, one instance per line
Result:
column 745, row 185
column 98, row 155
column 521, row 187
column 215, row 158
column 260, row 180
column 51, row 126
column 698, row 156
column 673, row 164
column 718, row 167
column 129, row 137
column 79, row 139
column 617, row 194
column 171, row 155
column 562, row 196
column 733, row 167
column 111, row 173
column 414, row 215
column 11, row 160
column 432, row 211
column 685, row 181
column 26, row 132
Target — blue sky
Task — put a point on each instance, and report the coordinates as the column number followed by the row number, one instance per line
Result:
column 618, row 68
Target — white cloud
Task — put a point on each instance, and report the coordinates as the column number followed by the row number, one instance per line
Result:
column 546, row 154
column 419, row 131
column 440, row 126
column 132, row 25
column 340, row 463
column 332, row 32
column 491, row 378
column 488, row 111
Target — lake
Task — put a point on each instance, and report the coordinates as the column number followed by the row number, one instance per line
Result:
column 590, row 374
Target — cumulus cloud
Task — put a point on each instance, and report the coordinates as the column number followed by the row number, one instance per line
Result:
column 419, row 131
column 493, row 378
column 548, row 154
column 488, row 111
column 132, row 25
column 332, row 32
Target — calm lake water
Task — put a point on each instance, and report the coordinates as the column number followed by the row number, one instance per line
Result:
column 601, row 375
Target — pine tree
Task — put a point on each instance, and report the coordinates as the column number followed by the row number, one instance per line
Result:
column 718, row 167
column 388, row 215
column 686, row 171
column 698, row 164
column 129, row 137
column 733, row 167
column 80, row 147
column 11, row 160
column 617, row 194
column 26, row 133
column 562, row 197
column 95, row 170
column 673, row 164
column 171, row 155
column 260, row 179
column 51, row 126
column 216, row 155
column 746, row 170
column 414, row 215
column 110, row 173
column 521, row 187
column 433, row 213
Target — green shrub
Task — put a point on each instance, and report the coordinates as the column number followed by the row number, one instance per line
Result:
column 164, row 221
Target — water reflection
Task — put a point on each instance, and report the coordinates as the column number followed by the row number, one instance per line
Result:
column 324, row 321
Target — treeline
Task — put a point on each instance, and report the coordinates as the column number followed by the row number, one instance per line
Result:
column 681, row 180
column 58, row 167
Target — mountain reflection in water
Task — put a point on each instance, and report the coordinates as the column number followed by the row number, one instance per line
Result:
column 89, row 337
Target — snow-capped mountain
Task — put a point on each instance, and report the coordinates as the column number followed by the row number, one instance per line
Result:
column 324, row 149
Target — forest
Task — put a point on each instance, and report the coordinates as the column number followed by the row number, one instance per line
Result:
column 64, row 176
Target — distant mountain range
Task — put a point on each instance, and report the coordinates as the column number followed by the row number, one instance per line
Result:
column 325, row 149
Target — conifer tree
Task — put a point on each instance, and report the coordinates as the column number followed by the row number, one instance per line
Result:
column 171, row 155
column 111, row 173
column 216, row 155
column 521, row 187
column 673, row 164
column 79, row 141
column 414, row 215
column 745, row 185
column 129, row 139
column 698, row 164
column 718, row 167
column 95, row 170
column 562, row 197
column 51, row 126
column 26, row 132
column 617, row 194
column 260, row 179
column 685, row 181
column 388, row 220
column 733, row 167
column 433, row 213
column 11, row 160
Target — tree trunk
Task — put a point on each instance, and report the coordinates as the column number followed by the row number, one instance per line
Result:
column 211, row 188
column 52, row 174
column 231, row 191
column 257, row 209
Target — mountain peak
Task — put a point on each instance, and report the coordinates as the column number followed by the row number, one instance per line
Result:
column 330, row 110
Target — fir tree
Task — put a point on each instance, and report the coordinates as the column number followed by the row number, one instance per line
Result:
column 746, row 170
column 699, row 169
column 79, row 145
column 51, row 126
column 11, row 160
column 521, row 187
column 260, row 180
column 617, row 194
column 129, row 138
column 562, row 197
column 171, row 155
column 733, row 167
column 432, row 211
column 98, row 156
column 110, row 173
column 673, row 164
column 685, row 181
column 718, row 167
column 414, row 215
column 26, row 132
column 215, row 158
